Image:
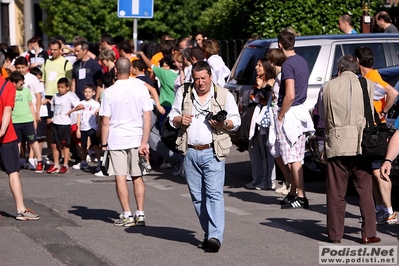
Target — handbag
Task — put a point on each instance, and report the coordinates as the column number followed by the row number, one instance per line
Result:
column 168, row 133
column 375, row 135
column 104, row 163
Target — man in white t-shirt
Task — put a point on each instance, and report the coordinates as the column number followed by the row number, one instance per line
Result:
column 126, row 116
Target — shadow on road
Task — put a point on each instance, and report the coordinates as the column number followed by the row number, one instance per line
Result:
column 167, row 233
column 85, row 213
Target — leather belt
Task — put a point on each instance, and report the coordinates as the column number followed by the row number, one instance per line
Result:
column 200, row 147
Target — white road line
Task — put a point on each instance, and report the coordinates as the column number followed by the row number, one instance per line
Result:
column 158, row 186
column 236, row 210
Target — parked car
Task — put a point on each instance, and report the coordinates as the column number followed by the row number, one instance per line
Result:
column 321, row 53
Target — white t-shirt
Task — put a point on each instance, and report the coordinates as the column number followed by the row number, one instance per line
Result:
column 43, row 107
column 88, row 116
column 33, row 84
column 124, row 103
column 220, row 70
column 61, row 105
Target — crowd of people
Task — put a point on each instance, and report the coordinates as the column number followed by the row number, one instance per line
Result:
column 113, row 105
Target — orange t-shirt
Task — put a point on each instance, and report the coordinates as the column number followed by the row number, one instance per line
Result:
column 374, row 76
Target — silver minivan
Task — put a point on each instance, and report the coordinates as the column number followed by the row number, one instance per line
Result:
column 321, row 53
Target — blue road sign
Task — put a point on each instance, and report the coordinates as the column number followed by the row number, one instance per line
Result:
column 135, row 8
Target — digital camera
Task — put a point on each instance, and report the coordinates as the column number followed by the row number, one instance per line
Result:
column 220, row 116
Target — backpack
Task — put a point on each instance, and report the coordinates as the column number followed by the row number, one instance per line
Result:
column 169, row 133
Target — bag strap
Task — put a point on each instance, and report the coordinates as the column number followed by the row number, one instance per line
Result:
column 2, row 87
column 186, row 87
column 65, row 64
column 367, row 108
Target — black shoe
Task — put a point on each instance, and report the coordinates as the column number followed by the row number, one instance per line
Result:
column 287, row 199
column 296, row 204
column 214, row 244
column 204, row 244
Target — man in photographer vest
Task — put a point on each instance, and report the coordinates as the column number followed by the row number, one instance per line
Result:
column 205, row 143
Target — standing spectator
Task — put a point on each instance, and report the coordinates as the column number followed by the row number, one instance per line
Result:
column 106, row 42
column 166, row 48
column 126, row 50
column 262, row 161
column 23, row 119
column 205, row 153
column 345, row 24
column 293, row 118
column 187, row 65
column 125, row 130
column 186, row 42
column 61, row 105
column 85, row 71
column 200, row 37
column 9, row 148
column 107, row 58
column 220, row 70
column 277, row 58
column 384, row 97
column 384, row 21
column 37, row 55
column 343, row 108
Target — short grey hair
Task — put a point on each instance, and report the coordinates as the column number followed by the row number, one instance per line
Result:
column 347, row 63
column 123, row 66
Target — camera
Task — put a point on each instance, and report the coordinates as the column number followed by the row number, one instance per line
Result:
column 143, row 162
column 220, row 116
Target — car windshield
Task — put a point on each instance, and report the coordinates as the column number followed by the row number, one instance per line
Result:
column 244, row 70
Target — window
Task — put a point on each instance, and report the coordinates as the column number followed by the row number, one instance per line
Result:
column 378, row 50
column 310, row 54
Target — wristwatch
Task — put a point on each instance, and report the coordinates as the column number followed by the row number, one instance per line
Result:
column 103, row 145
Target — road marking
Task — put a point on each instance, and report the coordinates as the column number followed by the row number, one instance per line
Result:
column 158, row 186
column 236, row 210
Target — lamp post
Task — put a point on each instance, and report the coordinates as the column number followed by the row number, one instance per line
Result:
column 366, row 19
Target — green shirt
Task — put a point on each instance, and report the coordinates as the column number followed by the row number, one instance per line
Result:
column 167, row 79
column 22, row 112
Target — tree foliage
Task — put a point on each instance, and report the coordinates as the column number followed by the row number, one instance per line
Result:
column 91, row 18
column 267, row 18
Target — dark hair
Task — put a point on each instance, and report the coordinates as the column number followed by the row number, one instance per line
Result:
column 201, row 33
column 16, row 76
column 167, row 47
column 347, row 63
column 107, row 38
column 167, row 60
column 21, row 61
column 125, row 46
column 201, row 65
column 36, row 71
column 64, row 81
column 55, row 42
column 60, row 38
column 270, row 71
column 139, row 64
column 108, row 79
column 197, row 53
column 276, row 56
column 186, row 53
column 286, row 39
column 365, row 55
column 36, row 39
column 384, row 16
column 118, row 39
column 89, row 86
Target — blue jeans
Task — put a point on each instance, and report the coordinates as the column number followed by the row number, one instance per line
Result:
column 205, row 178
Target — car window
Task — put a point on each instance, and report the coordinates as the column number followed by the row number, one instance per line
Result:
column 309, row 53
column 244, row 70
column 396, row 54
column 378, row 50
column 337, row 55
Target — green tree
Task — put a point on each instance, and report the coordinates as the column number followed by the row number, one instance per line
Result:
column 267, row 18
column 91, row 18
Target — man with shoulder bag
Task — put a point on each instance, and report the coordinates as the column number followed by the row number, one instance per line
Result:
column 344, row 116
column 208, row 113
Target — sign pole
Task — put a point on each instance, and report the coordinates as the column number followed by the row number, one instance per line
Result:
column 135, row 33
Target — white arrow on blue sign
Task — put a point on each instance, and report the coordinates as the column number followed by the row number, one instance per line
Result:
column 135, row 8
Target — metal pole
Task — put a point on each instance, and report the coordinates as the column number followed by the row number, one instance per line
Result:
column 135, row 33
column 28, row 27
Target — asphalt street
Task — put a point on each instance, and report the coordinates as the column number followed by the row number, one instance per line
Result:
column 77, row 212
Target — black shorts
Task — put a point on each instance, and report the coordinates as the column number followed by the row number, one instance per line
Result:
column 61, row 135
column 89, row 134
column 25, row 131
column 41, row 130
column 48, row 105
column 10, row 157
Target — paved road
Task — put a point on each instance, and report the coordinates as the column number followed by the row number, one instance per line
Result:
column 77, row 211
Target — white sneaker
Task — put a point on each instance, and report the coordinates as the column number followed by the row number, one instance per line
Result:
column 88, row 158
column 283, row 189
column 76, row 166
column 128, row 178
column 32, row 163
column 99, row 173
